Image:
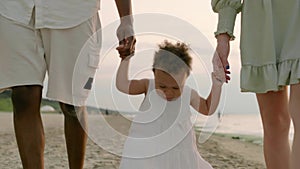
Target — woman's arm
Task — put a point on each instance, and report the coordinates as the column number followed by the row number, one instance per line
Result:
column 227, row 10
column 132, row 87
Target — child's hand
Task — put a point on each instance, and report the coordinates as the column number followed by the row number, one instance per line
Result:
column 217, row 80
column 219, row 75
column 126, row 47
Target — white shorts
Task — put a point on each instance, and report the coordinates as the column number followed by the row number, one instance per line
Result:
column 28, row 53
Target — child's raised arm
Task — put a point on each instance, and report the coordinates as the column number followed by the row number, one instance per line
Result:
column 207, row 106
column 127, row 86
column 219, row 76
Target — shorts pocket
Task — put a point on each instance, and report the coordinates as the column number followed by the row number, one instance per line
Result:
column 94, row 60
column 94, row 54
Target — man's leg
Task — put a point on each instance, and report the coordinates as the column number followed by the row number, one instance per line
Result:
column 76, row 137
column 65, row 81
column 276, row 123
column 295, row 113
column 28, row 125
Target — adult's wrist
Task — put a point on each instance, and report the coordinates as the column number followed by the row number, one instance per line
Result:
column 223, row 38
column 126, row 20
column 226, row 21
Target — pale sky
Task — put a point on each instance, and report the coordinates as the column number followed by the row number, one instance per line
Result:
column 197, row 13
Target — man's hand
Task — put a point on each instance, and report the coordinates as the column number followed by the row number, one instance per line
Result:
column 125, row 34
column 126, row 47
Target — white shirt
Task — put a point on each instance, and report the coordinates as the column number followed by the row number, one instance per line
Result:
column 54, row 14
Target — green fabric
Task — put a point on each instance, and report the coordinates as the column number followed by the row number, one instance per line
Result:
column 227, row 10
column 270, row 40
column 226, row 21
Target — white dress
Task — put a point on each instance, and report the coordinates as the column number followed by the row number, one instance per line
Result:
column 161, row 136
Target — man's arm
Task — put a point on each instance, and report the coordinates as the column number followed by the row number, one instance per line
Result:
column 125, row 32
column 124, row 7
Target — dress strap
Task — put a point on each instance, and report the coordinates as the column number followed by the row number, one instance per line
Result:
column 150, row 85
column 186, row 94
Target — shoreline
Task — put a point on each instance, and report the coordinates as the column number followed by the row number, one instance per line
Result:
column 224, row 152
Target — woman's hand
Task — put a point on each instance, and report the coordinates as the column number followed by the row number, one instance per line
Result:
column 223, row 49
column 218, row 74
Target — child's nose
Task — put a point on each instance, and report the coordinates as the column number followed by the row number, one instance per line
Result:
column 168, row 93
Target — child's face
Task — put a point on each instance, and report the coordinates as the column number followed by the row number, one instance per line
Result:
column 169, row 86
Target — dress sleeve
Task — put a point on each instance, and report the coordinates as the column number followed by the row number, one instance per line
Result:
column 227, row 10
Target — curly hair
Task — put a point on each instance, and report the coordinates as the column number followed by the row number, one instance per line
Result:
column 172, row 58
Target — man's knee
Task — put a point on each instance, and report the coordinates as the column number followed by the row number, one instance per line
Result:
column 72, row 111
column 24, row 97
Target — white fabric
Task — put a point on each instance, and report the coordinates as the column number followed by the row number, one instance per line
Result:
column 69, row 56
column 162, row 136
column 55, row 14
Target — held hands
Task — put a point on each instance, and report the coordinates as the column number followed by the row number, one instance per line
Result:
column 126, row 38
column 126, row 47
column 222, row 52
column 218, row 74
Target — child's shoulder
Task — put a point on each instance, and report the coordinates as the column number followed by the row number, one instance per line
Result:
column 146, row 83
column 194, row 95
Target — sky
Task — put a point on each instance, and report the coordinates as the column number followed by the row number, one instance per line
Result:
column 195, row 23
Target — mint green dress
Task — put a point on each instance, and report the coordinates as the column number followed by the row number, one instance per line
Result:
column 270, row 41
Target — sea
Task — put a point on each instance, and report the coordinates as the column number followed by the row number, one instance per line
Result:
column 235, row 125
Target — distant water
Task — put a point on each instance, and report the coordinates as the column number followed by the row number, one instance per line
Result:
column 235, row 124
column 239, row 124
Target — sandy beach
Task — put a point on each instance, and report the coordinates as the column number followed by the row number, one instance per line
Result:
column 222, row 151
